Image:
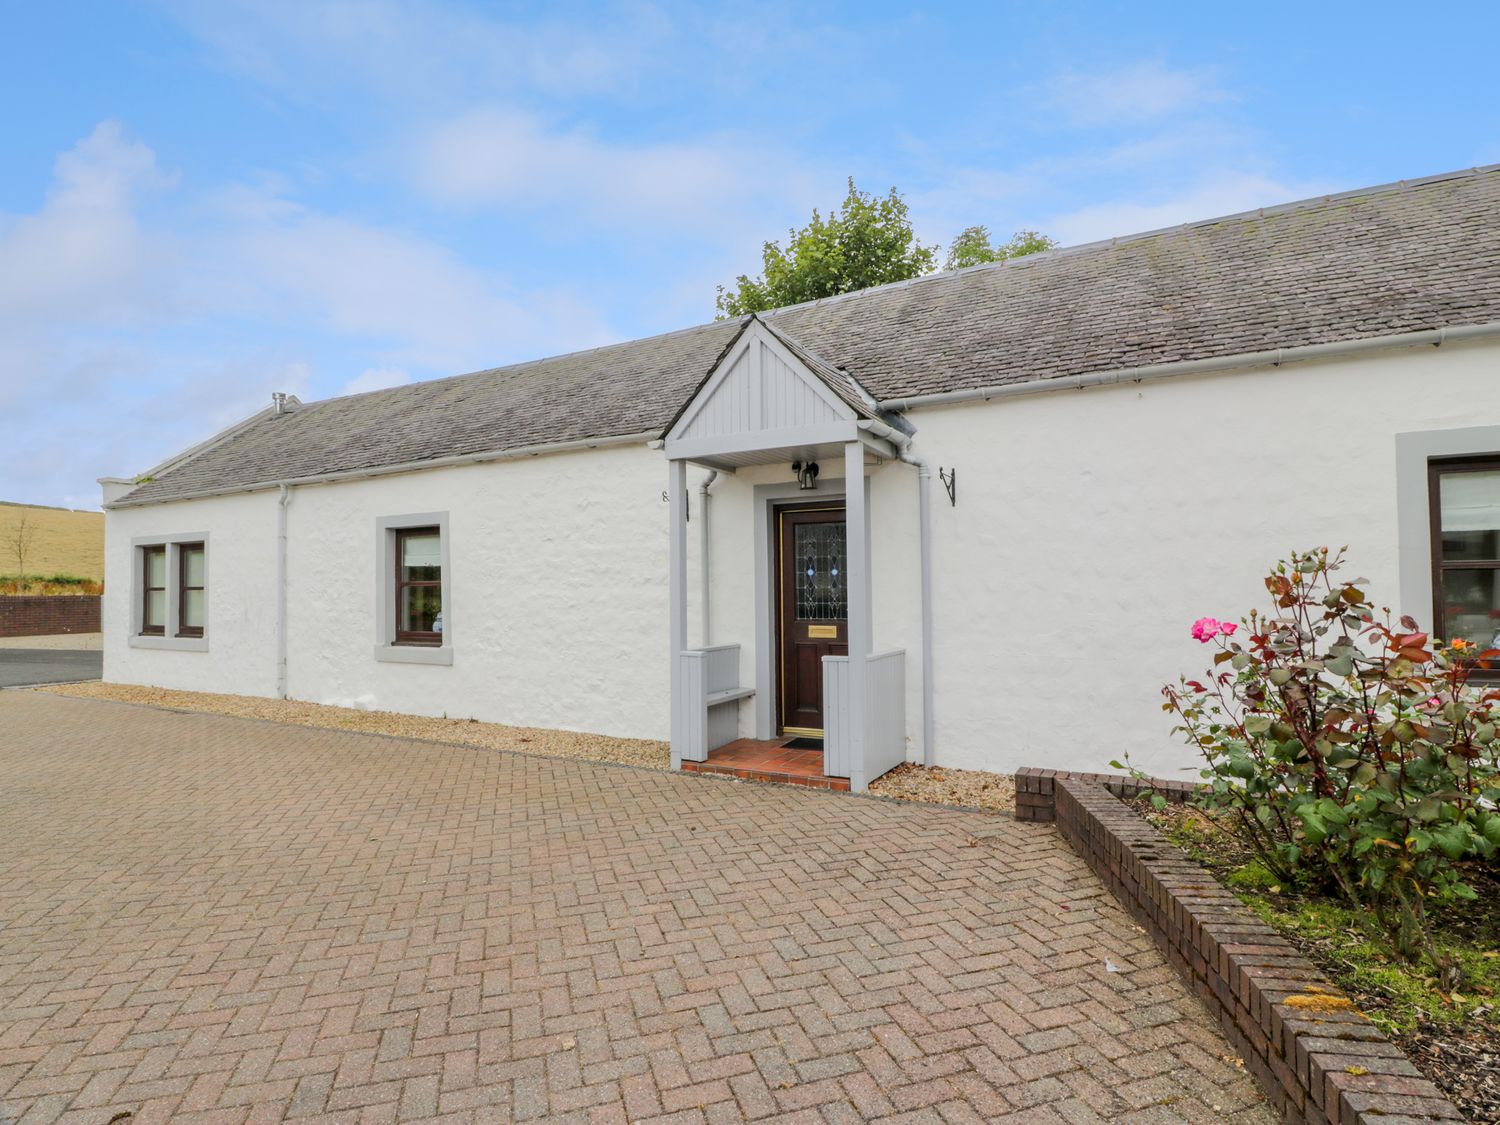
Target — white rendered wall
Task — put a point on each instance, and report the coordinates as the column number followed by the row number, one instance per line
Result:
column 558, row 593
column 1093, row 527
column 241, row 600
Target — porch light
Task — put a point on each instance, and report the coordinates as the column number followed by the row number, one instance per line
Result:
column 807, row 475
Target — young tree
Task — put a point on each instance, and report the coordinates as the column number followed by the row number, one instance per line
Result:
column 18, row 540
column 869, row 241
column 972, row 247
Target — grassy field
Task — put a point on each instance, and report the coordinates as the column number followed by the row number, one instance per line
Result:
column 66, row 542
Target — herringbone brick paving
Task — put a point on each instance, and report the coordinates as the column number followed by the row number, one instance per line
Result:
column 223, row 920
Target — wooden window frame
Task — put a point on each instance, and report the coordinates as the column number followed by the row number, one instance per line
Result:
column 415, row 637
column 1437, row 468
column 147, row 629
column 183, row 587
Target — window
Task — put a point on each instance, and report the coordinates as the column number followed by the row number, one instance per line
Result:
column 169, row 601
column 190, row 581
column 419, row 586
column 1464, row 506
column 413, row 589
column 153, row 591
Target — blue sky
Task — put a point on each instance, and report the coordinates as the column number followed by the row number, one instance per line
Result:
column 201, row 203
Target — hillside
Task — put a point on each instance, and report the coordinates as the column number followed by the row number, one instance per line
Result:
column 66, row 542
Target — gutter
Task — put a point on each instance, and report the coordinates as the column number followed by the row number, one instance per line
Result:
column 404, row 467
column 882, row 430
column 1437, row 337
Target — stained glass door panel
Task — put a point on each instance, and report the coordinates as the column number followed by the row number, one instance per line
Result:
column 813, row 610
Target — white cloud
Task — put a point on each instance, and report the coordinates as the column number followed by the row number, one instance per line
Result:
column 1142, row 91
column 431, row 51
column 85, row 248
column 413, row 299
column 376, row 379
column 504, row 156
column 1223, row 193
column 128, row 331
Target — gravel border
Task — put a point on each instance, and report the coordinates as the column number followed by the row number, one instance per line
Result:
column 961, row 790
column 938, row 785
column 647, row 753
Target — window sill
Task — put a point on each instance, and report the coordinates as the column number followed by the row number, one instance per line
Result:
column 414, row 654
column 177, row 644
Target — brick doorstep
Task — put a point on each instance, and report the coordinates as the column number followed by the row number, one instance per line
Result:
column 1318, row 1058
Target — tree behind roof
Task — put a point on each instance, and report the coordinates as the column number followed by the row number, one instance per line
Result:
column 973, row 247
column 869, row 241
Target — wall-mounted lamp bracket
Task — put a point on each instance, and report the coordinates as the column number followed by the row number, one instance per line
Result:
column 949, row 478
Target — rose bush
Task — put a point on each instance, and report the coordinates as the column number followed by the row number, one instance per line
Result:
column 1348, row 750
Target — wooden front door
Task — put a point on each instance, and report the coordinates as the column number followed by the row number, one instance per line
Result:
column 813, row 614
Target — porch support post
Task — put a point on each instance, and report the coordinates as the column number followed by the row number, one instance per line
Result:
column 677, row 595
column 861, row 633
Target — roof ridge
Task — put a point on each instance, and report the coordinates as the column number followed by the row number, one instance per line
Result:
column 941, row 275
column 1155, row 232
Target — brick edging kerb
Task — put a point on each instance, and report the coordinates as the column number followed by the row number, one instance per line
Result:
column 1035, row 789
column 1317, row 1057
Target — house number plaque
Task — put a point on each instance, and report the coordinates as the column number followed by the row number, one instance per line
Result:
column 822, row 632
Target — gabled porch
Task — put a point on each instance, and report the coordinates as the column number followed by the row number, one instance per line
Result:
column 815, row 676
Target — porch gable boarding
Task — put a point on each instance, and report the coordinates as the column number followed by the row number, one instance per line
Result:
column 768, row 400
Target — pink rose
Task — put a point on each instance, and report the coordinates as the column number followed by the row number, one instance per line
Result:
column 1206, row 629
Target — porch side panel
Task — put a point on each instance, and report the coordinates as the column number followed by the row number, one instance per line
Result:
column 838, row 752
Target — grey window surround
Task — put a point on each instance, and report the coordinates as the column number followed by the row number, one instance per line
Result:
column 169, row 639
column 386, row 649
column 1413, row 520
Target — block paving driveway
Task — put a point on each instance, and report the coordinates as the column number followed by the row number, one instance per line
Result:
column 218, row 919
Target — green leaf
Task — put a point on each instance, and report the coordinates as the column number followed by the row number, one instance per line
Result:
column 1453, row 841
column 1341, row 665
column 1314, row 828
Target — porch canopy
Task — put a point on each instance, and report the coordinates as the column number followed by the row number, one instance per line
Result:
column 765, row 401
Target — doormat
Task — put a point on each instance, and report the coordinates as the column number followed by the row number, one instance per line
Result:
column 804, row 744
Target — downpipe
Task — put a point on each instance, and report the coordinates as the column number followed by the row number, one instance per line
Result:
column 282, row 501
column 713, row 475
column 924, row 521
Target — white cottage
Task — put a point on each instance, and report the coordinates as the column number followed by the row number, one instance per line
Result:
column 966, row 519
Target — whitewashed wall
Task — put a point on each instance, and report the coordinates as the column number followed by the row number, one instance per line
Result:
column 558, row 610
column 559, row 580
column 241, row 656
column 1092, row 528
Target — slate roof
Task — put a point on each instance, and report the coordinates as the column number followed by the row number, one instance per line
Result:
column 1398, row 258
